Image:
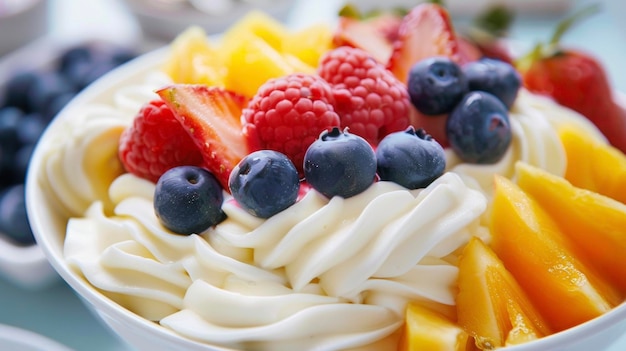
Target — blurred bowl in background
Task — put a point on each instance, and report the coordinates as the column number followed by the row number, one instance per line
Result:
column 21, row 21
column 165, row 19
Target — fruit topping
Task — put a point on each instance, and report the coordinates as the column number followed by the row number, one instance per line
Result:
column 593, row 164
column 436, row 85
column 369, row 100
column 188, row 199
column 488, row 33
column 363, row 34
column 575, row 79
column 426, row 329
column 288, row 114
column 156, row 142
column 494, row 76
column 211, row 116
column 410, row 158
column 264, row 183
column 544, row 261
column 478, row 129
column 491, row 305
column 426, row 31
column 596, row 224
column 340, row 164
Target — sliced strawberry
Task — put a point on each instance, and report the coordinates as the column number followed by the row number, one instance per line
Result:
column 212, row 117
column 424, row 32
column 365, row 35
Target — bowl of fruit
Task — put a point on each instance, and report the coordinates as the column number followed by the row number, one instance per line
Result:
column 36, row 82
column 302, row 189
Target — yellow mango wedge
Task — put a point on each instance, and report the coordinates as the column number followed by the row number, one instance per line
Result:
column 425, row 329
column 593, row 164
column 194, row 60
column 309, row 44
column 543, row 261
column 491, row 306
column 596, row 224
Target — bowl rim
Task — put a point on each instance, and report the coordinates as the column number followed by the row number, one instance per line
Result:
column 93, row 298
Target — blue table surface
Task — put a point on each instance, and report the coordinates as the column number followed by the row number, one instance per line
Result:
column 58, row 314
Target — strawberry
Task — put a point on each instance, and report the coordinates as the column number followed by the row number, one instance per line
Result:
column 288, row 114
column 211, row 116
column 369, row 99
column 488, row 32
column 363, row 35
column 577, row 80
column 156, row 142
column 424, row 32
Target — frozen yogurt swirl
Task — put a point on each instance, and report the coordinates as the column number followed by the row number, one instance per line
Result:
column 322, row 275
column 355, row 262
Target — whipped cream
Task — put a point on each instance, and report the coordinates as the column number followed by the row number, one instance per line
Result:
column 325, row 274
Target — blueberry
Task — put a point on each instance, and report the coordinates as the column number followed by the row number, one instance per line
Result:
column 9, row 141
column 22, row 160
column 265, row 183
column 339, row 164
column 30, row 127
column 13, row 218
column 56, row 105
column 188, row 200
column 75, row 56
column 47, row 87
column 410, row 158
column 478, row 129
column 494, row 76
column 17, row 88
column 436, row 85
column 94, row 71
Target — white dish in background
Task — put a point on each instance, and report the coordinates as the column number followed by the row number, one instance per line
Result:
column 49, row 228
column 13, row 338
column 165, row 19
column 21, row 21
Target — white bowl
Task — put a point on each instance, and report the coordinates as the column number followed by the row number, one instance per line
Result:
column 49, row 228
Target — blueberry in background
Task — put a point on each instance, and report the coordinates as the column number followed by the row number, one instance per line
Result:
column 29, row 101
column 411, row 158
column 340, row 164
column 265, row 183
column 16, row 89
column 436, row 85
column 478, row 129
column 13, row 217
column 188, row 199
column 9, row 144
column 494, row 76
column 45, row 89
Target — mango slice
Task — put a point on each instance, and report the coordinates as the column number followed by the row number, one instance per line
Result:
column 194, row 60
column 542, row 260
column 491, row 306
column 593, row 164
column 309, row 43
column 595, row 223
column 425, row 329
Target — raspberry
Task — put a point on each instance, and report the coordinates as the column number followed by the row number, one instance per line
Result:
column 156, row 142
column 369, row 99
column 288, row 114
